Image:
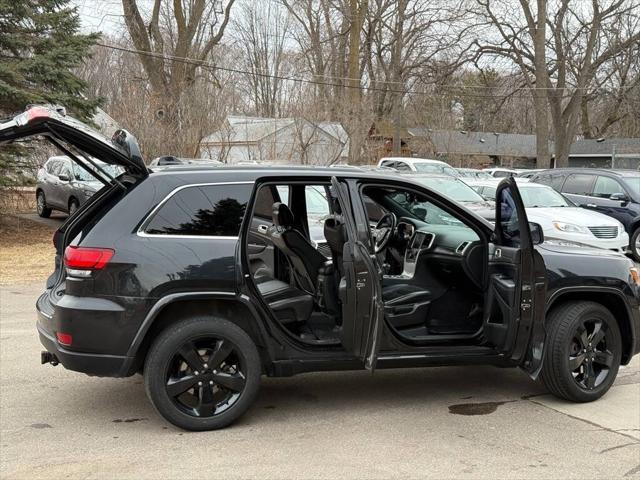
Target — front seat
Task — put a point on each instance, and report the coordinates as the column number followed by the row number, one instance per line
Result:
column 305, row 261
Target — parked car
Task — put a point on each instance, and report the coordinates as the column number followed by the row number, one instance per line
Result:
column 499, row 172
column 529, row 173
column 207, row 280
column 615, row 193
column 473, row 174
column 65, row 186
column 457, row 190
column 423, row 165
column 563, row 220
column 169, row 161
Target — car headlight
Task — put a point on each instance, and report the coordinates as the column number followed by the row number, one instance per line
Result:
column 569, row 227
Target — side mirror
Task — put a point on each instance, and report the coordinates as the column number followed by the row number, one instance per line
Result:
column 537, row 235
column 619, row 197
column 64, row 177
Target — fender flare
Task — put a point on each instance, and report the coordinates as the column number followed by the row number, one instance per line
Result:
column 558, row 294
column 166, row 300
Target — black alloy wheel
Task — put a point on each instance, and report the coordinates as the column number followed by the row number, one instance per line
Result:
column 583, row 351
column 206, row 376
column 590, row 360
column 202, row 373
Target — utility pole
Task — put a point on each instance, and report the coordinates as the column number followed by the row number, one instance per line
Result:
column 398, row 84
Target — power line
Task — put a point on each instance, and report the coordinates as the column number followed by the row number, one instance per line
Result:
column 209, row 65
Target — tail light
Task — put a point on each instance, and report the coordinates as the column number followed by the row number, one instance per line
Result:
column 81, row 261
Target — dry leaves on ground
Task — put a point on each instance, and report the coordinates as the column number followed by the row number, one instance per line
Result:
column 26, row 251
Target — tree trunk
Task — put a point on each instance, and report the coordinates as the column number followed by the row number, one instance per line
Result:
column 539, row 96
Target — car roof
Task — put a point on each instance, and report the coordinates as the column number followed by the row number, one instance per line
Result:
column 412, row 160
column 620, row 172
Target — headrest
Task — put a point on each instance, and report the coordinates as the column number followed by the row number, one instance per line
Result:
column 281, row 214
column 334, row 232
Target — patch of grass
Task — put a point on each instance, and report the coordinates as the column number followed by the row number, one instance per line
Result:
column 26, row 251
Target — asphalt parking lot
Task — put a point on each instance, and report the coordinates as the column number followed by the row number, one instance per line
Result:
column 454, row 422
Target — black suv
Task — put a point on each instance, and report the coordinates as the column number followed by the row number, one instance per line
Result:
column 205, row 279
column 613, row 192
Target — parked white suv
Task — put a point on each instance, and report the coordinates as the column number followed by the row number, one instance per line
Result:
column 423, row 165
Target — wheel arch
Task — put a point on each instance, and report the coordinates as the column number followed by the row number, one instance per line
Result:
column 611, row 299
column 172, row 308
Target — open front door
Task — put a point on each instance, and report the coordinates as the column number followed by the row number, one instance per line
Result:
column 360, row 289
column 514, row 317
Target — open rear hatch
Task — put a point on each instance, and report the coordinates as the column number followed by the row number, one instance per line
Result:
column 81, row 143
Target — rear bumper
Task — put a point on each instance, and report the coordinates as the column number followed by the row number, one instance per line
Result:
column 89, row 363
column 95, row 364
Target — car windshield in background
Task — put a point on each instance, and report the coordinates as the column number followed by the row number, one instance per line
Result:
column 533, row 197
column 634, row 185
column 452, row 188
column 84, row 176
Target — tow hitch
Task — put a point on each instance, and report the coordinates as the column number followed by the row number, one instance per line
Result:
column 47, row 357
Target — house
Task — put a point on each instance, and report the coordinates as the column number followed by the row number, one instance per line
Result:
column 606, row 153
column 245, row 139
column 475, row 149
column 380, row 140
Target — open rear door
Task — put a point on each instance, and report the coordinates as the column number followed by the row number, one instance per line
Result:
column 514, row 319
column 360, row 290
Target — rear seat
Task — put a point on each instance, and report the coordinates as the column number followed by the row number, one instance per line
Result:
column 288, row 303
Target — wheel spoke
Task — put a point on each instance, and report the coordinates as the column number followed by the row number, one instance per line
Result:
column 583, row 336
column 589, row 375
column 206, row 406
column 191, row 356
column 604, row 358
column 178, row 386
column 233, row 382
column 575, row 362
column 220, row 354
column 598, row 334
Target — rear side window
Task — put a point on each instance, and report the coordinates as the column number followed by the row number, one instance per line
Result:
column 578, row 184
column 403, row 167
column 202, row 210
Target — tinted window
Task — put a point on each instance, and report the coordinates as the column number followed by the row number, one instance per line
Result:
column 606, row 186
column 502, row 174
column 556, row 181
column 403, row 166
column 509, row 222
column 213, row 210
column 388, row 163
column 578, row 184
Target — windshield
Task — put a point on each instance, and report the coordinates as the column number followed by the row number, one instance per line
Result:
column 424, row 210
column 533, row 197
column 452, row 188
column 634, row 184
column 428, row 167
column 84, row 176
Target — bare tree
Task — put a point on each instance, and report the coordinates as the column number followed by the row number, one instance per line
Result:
column 263, row 30
column 175, row 30
column 558, row 49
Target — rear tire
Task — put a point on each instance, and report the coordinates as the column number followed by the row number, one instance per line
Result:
column 634, row 245
column 202, row 373
column 41, row 205
column 583, row 351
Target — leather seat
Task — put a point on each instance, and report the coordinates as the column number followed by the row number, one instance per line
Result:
column 288, row 303
column 403, row 293
column 305, row 261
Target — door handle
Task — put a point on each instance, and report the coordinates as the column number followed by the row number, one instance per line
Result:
column 592, row 205
column 262, row 229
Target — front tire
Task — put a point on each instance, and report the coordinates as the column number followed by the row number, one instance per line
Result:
column 583, row 351
column 634, row 245
column 41, row 205
column 202, row 373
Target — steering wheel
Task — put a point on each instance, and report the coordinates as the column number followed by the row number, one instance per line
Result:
column 383, row 231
